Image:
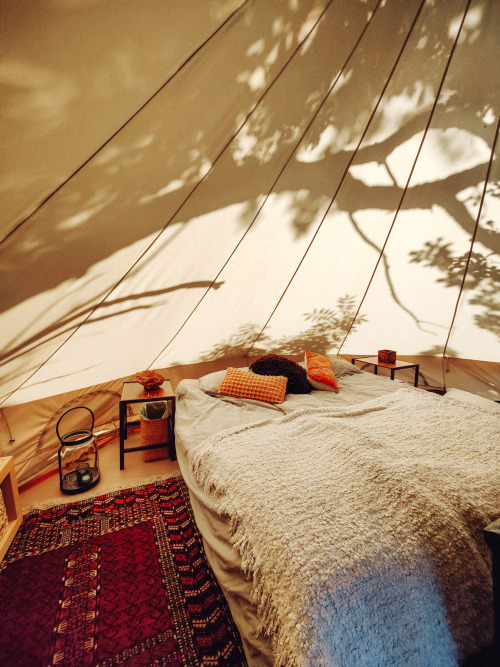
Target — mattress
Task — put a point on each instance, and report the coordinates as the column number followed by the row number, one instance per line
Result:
column 200, row 415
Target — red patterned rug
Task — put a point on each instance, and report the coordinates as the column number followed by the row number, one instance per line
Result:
column 120, row 579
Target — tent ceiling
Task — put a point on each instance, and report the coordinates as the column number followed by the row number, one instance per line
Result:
column 286, row 165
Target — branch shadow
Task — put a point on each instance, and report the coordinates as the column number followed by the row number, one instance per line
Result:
column 149, row 177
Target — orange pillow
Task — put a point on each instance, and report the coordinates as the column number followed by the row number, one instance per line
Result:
column 245, row 384
column 320, row 372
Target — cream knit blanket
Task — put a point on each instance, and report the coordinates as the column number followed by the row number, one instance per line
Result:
column 361, row 527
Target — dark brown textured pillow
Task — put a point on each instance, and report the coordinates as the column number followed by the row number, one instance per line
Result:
column 275, row 364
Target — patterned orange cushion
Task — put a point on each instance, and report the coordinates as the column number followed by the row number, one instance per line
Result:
column 320, row 372
column 245, row 384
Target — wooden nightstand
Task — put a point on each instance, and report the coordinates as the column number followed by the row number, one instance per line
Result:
column 492, row 538
column 10, row 494
column 396, row 366
column 133, row 392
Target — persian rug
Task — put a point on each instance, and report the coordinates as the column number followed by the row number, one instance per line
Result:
column 116, row 579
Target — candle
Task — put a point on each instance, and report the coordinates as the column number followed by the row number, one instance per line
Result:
column 84, row 476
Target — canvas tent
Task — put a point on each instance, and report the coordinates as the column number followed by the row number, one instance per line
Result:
column 184, row 181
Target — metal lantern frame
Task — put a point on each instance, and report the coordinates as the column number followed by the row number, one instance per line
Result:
column 85, row 477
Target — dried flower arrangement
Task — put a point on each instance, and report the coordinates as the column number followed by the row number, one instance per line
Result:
column 150, row 379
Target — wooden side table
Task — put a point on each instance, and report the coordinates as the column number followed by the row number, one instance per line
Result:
column 10, row 494
column 133, row 392
column 396, row 366
column 492, row 538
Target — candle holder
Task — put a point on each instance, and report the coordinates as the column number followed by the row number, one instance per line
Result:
column 387, row 356
column 78, row 458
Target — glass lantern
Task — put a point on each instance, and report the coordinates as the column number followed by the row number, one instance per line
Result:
column 78, row 458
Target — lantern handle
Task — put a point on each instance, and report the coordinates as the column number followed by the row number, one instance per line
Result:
column 79, row 407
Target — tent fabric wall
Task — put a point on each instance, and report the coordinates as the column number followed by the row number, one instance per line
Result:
column 189, row 181
column 28, row 430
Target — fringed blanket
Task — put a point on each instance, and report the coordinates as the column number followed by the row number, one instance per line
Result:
column 362, row 527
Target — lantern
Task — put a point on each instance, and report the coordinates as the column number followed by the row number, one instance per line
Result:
column 78, row 458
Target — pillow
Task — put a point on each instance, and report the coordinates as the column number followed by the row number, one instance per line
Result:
column 210, row 383
column 342, row 367
column 474, row 399
column 320, row 372
column 245, row 384
column 275, row 364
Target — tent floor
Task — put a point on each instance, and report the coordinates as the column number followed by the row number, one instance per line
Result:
column 46, row 492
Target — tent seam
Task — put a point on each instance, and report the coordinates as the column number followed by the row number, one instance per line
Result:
column 346, row 170
column 405, row 189
column 173, row 216
column 473, row 239
column 123, row 126
column 287, row 161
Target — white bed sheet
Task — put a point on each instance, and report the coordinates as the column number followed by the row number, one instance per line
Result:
column 200, row 415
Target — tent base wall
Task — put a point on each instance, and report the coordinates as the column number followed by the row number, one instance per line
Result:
column 28, row 431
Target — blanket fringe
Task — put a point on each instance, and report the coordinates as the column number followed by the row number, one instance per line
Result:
column 268, row 619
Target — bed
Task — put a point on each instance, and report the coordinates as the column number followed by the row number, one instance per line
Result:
column 345, row 527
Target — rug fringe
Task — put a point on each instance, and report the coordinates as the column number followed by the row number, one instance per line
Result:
column 98, row 490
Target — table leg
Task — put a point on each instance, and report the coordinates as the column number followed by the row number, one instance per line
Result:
column 171, row 440
column 123, row 432
column 417, row 367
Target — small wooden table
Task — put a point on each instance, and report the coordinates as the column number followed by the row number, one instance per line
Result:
column 396, row 366
column 12, row 503
column 492, row 538
column 133, row 392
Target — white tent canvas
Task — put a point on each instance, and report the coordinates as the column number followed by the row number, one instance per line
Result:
column 191, row 181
